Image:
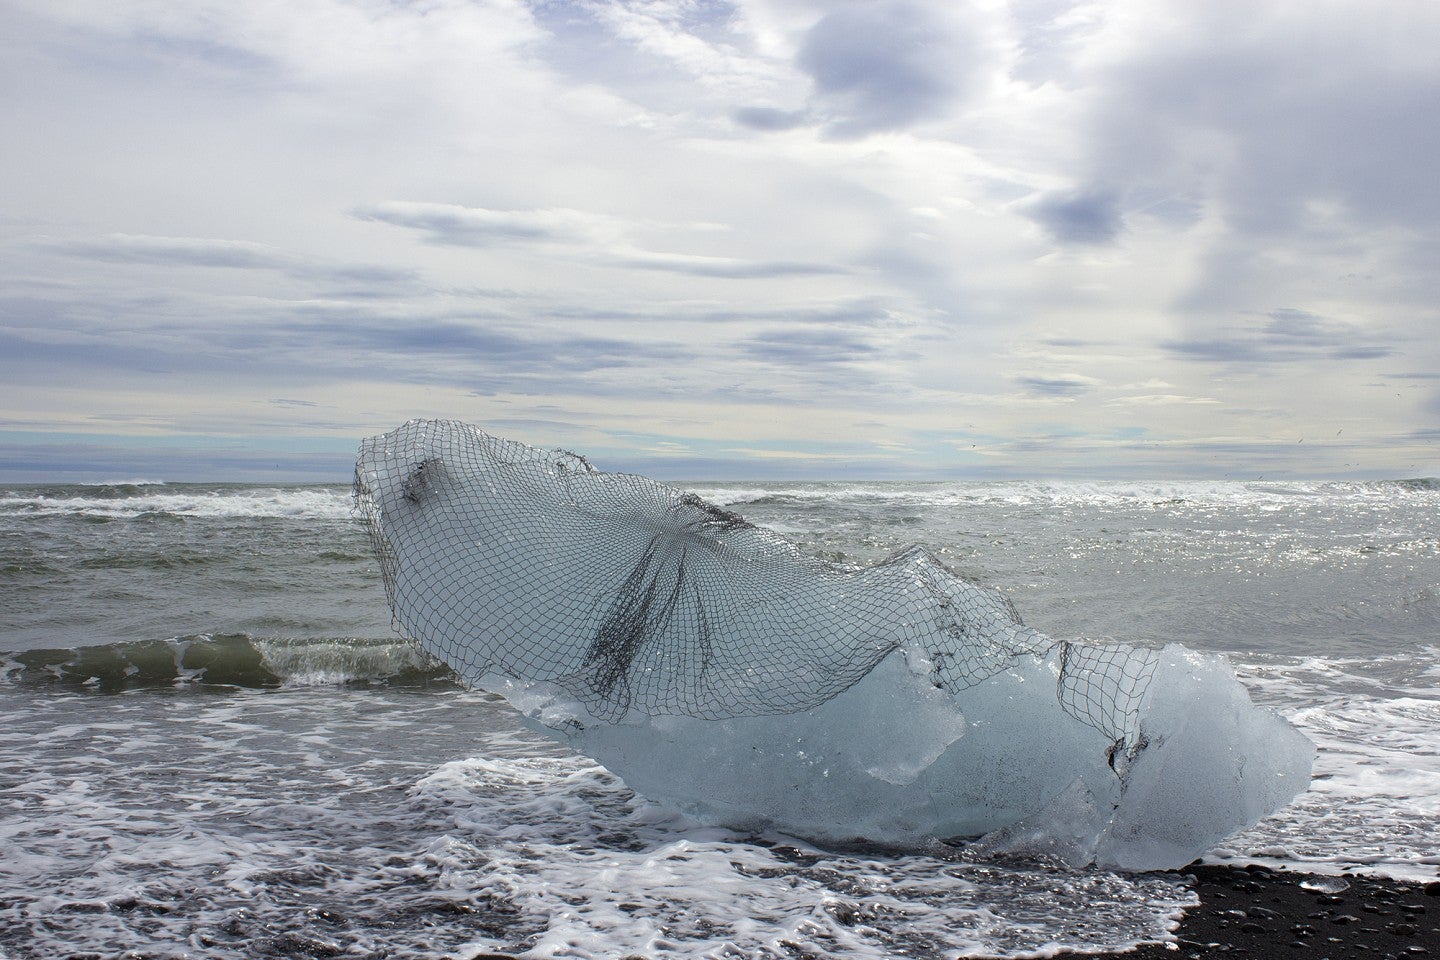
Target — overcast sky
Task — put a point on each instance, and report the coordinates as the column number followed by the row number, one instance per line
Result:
column 760, row 238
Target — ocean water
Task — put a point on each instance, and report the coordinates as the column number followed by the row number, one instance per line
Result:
column 214, row 746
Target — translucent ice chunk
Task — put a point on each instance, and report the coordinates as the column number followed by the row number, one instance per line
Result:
column 1212, row 764
column 716, row 667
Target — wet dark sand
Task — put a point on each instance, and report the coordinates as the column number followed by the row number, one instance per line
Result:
column 1254, row 912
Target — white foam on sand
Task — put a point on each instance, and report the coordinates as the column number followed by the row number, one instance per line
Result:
column 1375, row 797
column 335, row 821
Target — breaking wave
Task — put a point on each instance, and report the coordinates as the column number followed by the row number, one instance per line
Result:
column 235, row 660
column 131, row 501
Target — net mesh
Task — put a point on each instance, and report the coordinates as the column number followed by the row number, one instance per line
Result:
column 634, row 596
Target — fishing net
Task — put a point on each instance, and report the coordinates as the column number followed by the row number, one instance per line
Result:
column 631, row 595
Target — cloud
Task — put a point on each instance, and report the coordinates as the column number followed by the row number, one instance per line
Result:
column 744, row 212
column 807, row 347
column 1300, row 106
column 886, row 66
column 457, row 226
column 1159, row 400
column 1286, row 335
column 1048, row 36
column 724, row 267
column 668, row 58
column 588, row 237
column 1068, row 386
column 213, row 55
column 353, row 279
column 864, row 313
column 1304, row 330
column 177, row 251
column 362, row 281
column 278, row 345
column 100, row 458
column 483, row 348
column 771, row 119
column 39, row 357
column 1081, row 217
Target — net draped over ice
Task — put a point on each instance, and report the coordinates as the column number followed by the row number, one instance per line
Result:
column 633, row 596
column 719, row 669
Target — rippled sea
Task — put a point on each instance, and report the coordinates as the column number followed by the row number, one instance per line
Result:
column 214, row 746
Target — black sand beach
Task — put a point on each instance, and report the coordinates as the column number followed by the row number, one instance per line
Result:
column 1256, row 912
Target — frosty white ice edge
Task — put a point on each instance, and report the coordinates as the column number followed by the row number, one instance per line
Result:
column 714, row 666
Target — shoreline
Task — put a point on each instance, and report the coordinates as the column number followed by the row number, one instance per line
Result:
column 1255, row 912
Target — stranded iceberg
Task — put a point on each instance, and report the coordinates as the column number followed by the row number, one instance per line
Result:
column 717, row 668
